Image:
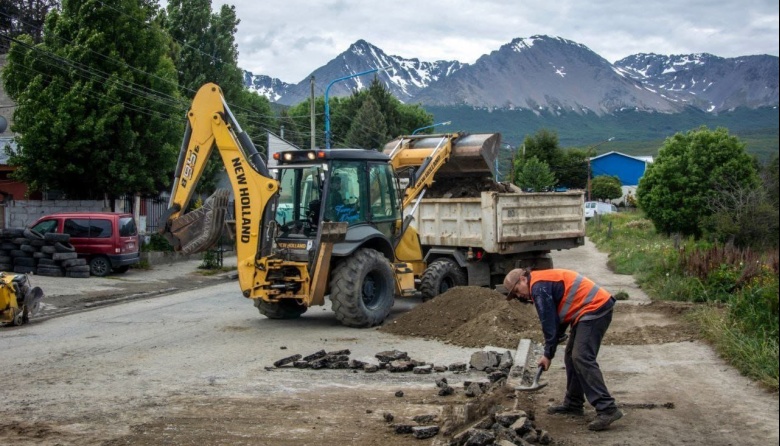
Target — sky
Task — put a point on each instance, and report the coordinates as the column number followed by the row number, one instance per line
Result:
column 290, row 39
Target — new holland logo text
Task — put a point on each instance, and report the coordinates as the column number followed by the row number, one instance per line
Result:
column 245, row 201
column 292, row 245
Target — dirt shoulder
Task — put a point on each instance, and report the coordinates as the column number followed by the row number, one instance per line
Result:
column 194, row 369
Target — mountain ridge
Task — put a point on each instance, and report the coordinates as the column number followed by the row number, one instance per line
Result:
column 544, row 73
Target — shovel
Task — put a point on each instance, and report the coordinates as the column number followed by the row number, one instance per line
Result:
column 534, row 385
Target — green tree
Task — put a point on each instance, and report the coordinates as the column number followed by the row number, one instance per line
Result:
column 98, row 107
column 573, row 169
column 688, row 173
column 23, row 17
column 292, row 133
column 544, row 146
column 400, row 119
column 769, row 176
column 205, row 51
column 606, row 187
column 535, row 175
column 369, row 127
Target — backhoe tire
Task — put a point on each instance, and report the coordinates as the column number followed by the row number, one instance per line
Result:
column 362, row 289
column 440, row 276
column 284, row 309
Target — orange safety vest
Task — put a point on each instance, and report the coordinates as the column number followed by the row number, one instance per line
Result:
column 580, row 294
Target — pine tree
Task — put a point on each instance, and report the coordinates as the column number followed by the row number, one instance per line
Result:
column 368, row 129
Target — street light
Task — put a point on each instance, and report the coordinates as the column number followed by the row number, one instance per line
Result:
column 327, row 105
column 587, row 151
column 432, row 125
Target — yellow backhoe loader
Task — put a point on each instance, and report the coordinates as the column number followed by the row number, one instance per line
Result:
column 328, row 222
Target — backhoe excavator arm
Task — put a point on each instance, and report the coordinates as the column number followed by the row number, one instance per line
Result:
column 211, row 124
column 457, row 155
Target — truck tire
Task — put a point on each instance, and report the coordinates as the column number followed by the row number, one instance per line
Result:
column 362, row 289
column 440, row 276
column 284, row 309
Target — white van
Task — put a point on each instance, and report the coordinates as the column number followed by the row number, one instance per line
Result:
column 593, row 208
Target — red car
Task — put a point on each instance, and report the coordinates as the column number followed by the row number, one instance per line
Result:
column 107, row 240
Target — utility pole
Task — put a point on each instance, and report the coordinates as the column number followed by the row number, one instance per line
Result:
column 311, row 111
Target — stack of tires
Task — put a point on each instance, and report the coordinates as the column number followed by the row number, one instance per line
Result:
column 28, row 251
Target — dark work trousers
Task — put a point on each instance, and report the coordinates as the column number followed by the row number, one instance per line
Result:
column 583, row 376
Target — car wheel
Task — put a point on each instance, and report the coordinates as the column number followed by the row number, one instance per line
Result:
column 99, row 266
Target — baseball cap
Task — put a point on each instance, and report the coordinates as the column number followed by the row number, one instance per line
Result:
column 511, row 280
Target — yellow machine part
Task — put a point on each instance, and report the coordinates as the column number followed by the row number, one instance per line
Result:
column 470, row 154
column 9, row 307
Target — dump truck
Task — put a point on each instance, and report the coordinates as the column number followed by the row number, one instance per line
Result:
column 334, row 222
column 473, row 230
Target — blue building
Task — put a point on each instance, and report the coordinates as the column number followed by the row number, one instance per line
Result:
column 626, row 167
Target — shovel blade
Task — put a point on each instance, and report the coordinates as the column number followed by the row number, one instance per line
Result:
column 535, row 385
column 532, row 388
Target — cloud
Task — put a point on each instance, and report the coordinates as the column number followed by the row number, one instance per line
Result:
column 289, row 39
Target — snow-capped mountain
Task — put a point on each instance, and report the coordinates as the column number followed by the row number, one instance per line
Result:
column 405, row 78
column 548, row 73
column 708, row 82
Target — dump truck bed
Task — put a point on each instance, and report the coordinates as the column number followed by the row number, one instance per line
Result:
column 504, row 223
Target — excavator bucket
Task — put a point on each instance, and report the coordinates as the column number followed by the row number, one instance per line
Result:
column 200, row 229
column 473, row 155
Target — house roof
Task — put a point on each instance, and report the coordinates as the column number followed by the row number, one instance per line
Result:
column 644, row 159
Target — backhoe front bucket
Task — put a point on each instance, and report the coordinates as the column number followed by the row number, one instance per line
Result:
column 473, row 155
column 199, row 230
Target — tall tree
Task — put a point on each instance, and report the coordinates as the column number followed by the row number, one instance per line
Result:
column 97, row 101
column 573, row 169
column 369, row 128
column 23, row 17
column 544, row 146
column 205, row 51
column 399, row 118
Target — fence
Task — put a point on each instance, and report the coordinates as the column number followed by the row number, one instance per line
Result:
column 22, row 213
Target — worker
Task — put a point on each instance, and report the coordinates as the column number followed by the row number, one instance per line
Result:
column 563, row 297
column 335, row 199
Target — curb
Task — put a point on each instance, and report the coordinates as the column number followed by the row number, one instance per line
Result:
column 522, row 356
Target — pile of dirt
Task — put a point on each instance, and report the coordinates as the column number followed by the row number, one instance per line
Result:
column 470, row 317
column 475, row 317
column 457, row 188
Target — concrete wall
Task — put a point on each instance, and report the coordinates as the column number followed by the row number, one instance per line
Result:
column 21, row 213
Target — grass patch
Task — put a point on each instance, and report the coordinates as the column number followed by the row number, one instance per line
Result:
column 215, row 271
column 737, row 290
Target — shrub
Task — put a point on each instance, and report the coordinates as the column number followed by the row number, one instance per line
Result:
column 158, row 243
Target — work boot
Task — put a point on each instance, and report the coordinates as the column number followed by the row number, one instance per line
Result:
column 564, row 409
column 604, row 419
